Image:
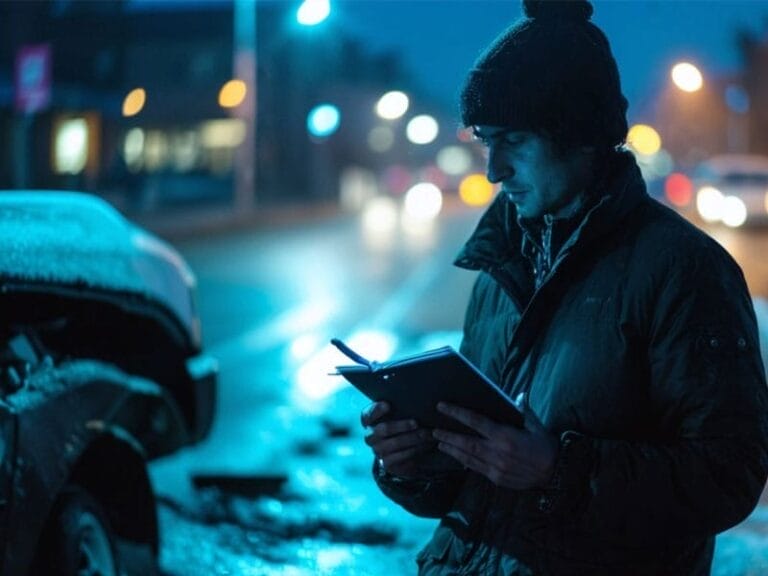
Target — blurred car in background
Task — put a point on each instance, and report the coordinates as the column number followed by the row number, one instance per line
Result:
column 729, row 189
column 101, row 370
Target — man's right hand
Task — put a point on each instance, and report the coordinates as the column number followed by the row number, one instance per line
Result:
column 397, row 444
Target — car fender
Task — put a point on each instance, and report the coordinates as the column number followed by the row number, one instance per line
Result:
column 61, row 412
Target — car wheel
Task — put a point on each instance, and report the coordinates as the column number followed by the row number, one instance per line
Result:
column 78, row 540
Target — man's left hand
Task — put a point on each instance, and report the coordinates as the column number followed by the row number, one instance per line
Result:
column 517, row 458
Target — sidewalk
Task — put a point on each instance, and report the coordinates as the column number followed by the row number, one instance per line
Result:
column 189, row 222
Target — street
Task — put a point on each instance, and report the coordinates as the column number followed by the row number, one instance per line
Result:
column 283, row 480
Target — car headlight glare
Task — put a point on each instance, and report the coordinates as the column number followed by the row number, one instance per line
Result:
column 709, row 203
column 734, row 211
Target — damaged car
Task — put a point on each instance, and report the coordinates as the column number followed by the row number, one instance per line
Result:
column 101, row 370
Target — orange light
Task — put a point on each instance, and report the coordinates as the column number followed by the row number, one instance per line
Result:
column 232, row 93
column 679, row 189
column 475, row 190
column 134, row 102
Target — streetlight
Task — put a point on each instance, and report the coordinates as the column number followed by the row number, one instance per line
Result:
column 233, row 93
column 644, row 139
column 323, row 120
column 134, row 102
column 422, row 129
column 392, row 105
column 312, row 12
column 687, row 77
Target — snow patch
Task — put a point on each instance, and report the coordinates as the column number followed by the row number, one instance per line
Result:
column 77, row 240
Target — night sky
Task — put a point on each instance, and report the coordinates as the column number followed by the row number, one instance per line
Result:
column 439, row 39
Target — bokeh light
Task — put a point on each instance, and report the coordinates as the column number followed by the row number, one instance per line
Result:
column 423, row 201
column 380, row 215
column 381, row 138
column 687, row 77
column 71, row 146
column 709, row 203
column 397, row 179
column 678, row 189
column 323, row 120
column 734, row 211
column 133, row 148
column 392, row 105
column 422, row 129
column 644, row 139
column 454, row 160
column 232, row 93
column 134, row 102
column 476, row 190
column 312, row 12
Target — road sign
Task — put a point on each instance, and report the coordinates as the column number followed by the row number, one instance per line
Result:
column 32, row 78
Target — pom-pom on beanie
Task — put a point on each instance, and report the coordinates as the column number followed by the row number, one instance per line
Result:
column 551, row 72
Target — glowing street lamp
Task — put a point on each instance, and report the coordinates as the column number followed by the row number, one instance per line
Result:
column 687, row 77
column 323, row 120
column 422, row 129
column 313, row 12
column 392, row 105
column 134, row 102
column 644, row 139
column 232, row 93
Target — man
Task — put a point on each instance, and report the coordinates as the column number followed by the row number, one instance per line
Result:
column 626, row 334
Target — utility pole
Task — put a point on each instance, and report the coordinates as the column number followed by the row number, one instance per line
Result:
column 244, row 68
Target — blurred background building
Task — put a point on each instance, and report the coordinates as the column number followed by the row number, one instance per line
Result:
column 143, row 106
column 251, row 102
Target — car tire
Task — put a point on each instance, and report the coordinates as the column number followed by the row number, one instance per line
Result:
column 78, row 540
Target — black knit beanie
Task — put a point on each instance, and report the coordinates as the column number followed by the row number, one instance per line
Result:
column 552, row 72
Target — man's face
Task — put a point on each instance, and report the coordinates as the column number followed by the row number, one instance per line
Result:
column 534, row 177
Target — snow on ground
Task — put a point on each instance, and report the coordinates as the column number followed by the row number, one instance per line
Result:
column 329, row 518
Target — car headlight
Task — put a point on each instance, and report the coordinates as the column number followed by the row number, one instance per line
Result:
column 709, row 203
column 734, row 212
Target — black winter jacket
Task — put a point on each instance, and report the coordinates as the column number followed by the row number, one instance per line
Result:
column 640, row 350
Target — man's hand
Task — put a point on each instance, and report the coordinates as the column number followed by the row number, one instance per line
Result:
column 398, row 444
column 508, row 456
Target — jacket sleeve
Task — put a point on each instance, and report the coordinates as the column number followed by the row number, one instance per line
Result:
column 707, row 390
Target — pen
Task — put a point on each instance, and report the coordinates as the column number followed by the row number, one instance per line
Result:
column 351, row 354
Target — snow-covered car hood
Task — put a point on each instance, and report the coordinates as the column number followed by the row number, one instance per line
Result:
column 79, row 241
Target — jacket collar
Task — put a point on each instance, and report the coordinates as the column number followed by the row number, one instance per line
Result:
column 498, row 238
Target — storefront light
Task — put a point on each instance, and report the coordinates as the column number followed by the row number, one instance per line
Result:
column 71, row 146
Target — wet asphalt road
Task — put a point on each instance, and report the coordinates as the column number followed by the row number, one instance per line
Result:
column 270, row 299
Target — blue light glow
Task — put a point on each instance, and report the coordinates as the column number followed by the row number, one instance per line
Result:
column 312, row 12
column 323, row 120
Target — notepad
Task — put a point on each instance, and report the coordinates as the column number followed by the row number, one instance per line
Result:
column 413, row 385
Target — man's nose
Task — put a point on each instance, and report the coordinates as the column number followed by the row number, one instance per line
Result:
column 498, row 168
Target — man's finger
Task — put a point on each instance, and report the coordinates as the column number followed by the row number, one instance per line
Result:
column 383, row 446
column 372, row 413
column 476, row 421
column 402, row 456
column 393, row 427
column 473, row 461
